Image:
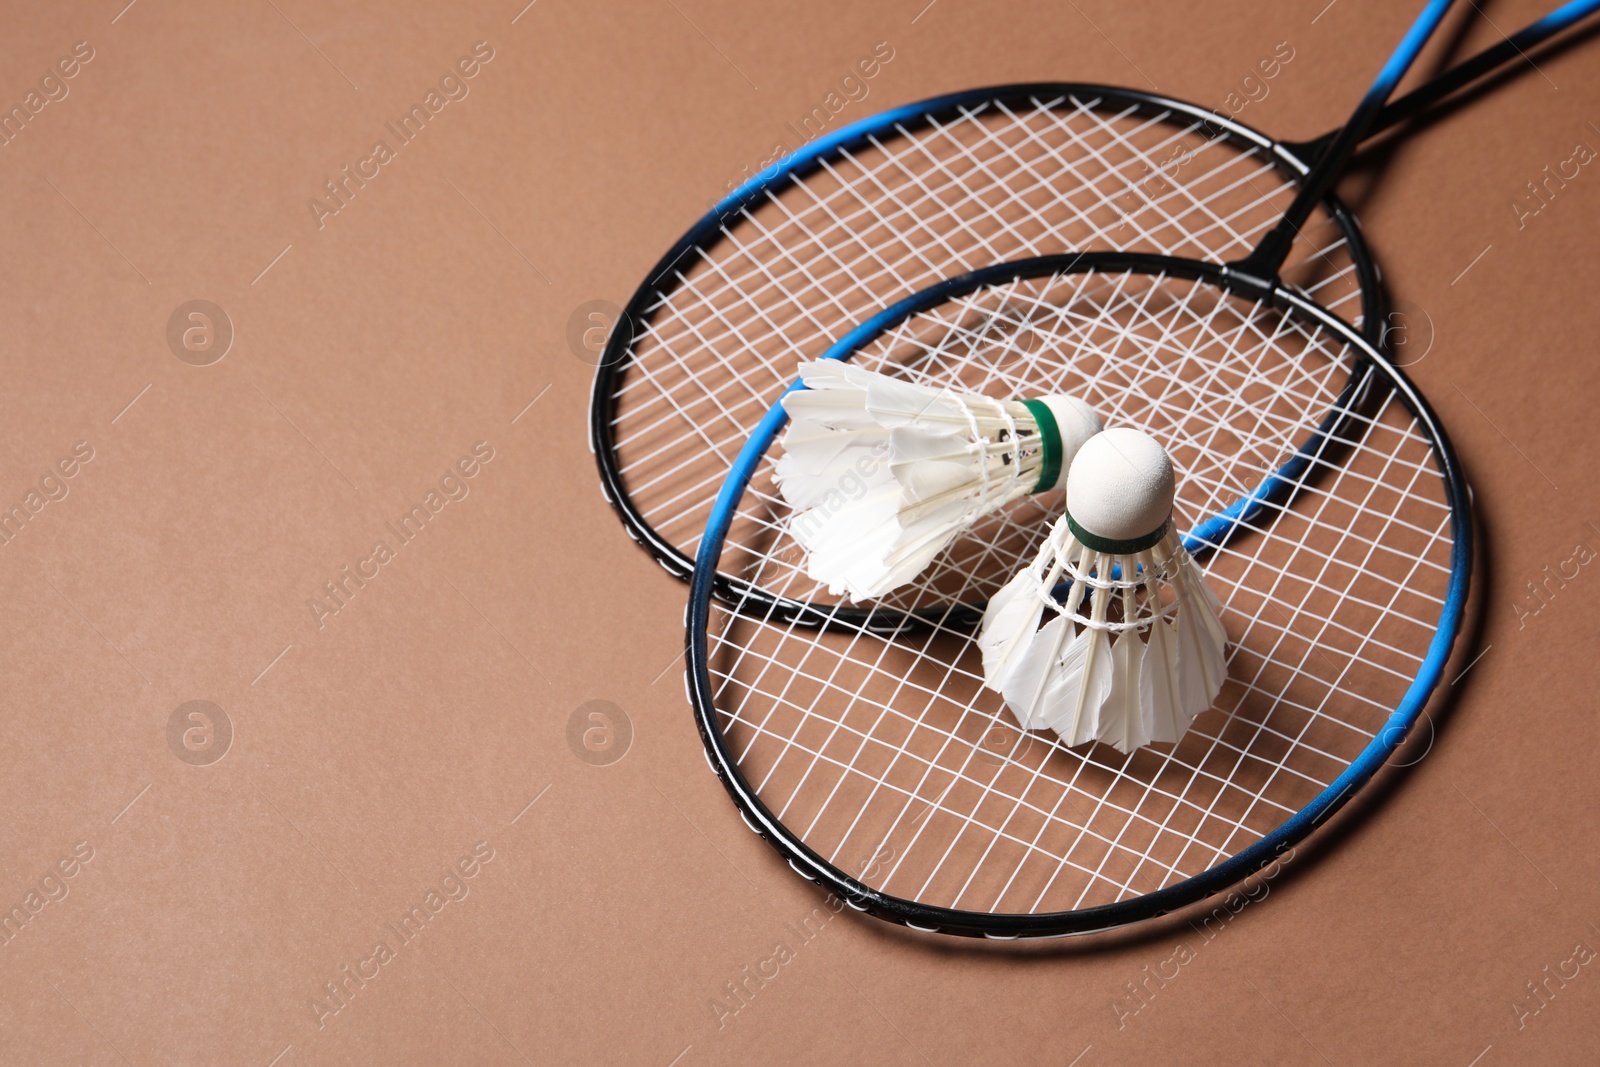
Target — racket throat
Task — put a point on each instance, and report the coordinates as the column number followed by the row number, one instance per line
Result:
column 1260, row 269
column 1308, row 152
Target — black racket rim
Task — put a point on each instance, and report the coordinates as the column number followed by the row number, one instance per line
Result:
column 1008, row 926
column 708, row 232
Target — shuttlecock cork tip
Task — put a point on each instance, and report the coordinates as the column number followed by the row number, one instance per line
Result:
column 1072, row 423
column 1119, row 491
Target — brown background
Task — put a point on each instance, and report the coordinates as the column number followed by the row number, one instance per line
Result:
column 370, row 754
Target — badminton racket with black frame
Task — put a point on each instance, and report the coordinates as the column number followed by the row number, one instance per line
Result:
column 871, row 763
column 903, row 201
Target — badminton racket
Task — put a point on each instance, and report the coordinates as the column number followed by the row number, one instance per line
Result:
column 900, row 202
column 881, row 768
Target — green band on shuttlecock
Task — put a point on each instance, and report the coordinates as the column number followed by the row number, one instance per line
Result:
column 1116, row 548
column 1049, row 441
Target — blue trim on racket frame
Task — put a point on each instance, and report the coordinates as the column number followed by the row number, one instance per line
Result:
column 1406, row 52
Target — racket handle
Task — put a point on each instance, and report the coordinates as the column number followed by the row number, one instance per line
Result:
column 1460, row 76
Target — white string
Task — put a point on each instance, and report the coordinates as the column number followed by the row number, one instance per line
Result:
column 1307, row 690
column 804, row 268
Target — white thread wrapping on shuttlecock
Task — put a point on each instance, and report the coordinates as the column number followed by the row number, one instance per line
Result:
column 884, row 474
column 1134, row 650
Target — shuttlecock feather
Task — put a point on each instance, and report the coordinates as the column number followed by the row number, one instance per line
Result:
column 1133, row 649
column 883, row 474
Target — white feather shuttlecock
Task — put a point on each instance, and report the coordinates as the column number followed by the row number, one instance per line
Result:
column 883, row 474
column 1134, row 650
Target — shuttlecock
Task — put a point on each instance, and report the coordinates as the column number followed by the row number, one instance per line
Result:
column 1134, row 650
column 883, row 474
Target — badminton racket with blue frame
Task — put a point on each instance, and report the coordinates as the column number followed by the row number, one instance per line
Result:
column 881, row 768
column 863, row 219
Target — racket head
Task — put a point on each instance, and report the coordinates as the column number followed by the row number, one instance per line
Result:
column 797, row 725
column 1058, row 168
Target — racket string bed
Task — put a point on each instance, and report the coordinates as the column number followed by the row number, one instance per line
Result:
column 822, row 719
column 810, row 281
column 790, row 269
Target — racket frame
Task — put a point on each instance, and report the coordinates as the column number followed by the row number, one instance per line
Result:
column 1372, row 366
column 708, row 232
